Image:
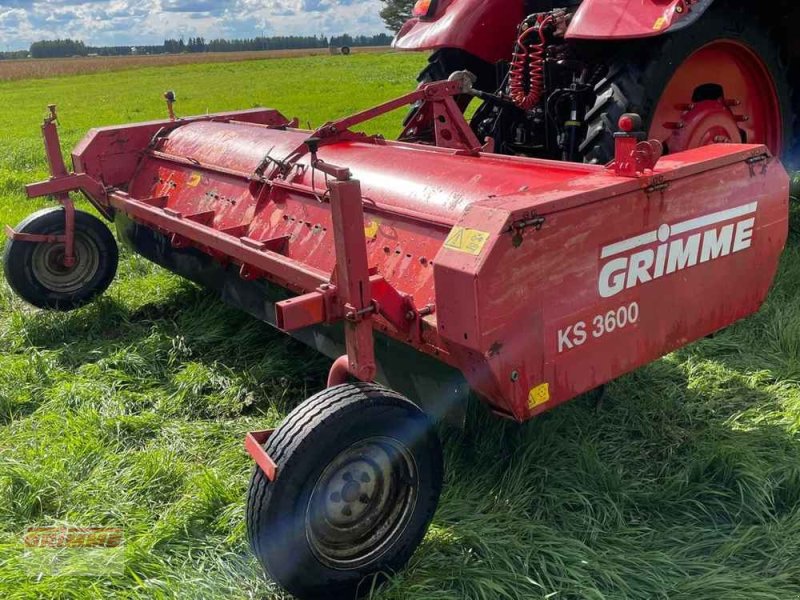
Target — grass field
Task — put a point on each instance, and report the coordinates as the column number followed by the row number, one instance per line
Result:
column 130, row 413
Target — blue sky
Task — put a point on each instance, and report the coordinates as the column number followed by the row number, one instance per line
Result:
column 131, row 22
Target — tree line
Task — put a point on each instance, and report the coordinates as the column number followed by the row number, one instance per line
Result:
column 69, row 48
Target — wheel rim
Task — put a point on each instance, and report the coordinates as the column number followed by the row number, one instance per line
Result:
column 50, row 272
column 361, row 502
column 723, row 92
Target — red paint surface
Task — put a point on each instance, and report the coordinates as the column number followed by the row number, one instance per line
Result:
column 485, row 29
column 750, row 109
column 626, row 19
column 495, row 315
column 488, row 29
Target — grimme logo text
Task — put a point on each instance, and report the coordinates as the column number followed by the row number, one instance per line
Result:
column 624, row 268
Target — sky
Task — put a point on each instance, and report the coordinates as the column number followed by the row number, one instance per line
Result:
column 132, row 22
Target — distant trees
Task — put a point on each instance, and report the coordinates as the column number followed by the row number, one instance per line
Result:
column 396, row 12
column 14, row 54
column 67, row 48
column 58, row 48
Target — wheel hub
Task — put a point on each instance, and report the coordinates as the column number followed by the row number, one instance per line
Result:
column 723, row 92
column 350, row 492
column 49, row 268
column 703, row 123
column 361, row 500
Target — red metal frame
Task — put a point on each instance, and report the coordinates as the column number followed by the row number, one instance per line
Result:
column 633, row 156
column 254, row 445
column 353, row 294
column 491, row 264
column 437, row 106
column 58, row 186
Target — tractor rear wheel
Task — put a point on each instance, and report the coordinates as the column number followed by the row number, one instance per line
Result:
column 720, row 80
column 36, row 271
column 358, row 480
column 442, row 64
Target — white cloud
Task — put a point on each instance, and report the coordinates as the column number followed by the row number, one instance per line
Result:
column 132, row 22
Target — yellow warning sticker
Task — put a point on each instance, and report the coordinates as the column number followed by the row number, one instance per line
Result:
column 538, row 396
column 470, row 241
column 371, row 229
column 194, row 179
column 660, row 23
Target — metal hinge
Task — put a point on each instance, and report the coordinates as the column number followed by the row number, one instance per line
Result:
column 657, row 187
column 657, row 184
column 762, row 159
column 517, row 227
column 535, row 221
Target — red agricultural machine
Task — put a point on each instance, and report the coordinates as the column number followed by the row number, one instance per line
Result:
column 426, row 271
column 430, row 270
column 554, row 76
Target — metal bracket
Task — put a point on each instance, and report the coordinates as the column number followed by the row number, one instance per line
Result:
column 254, row 445
column 633, row 155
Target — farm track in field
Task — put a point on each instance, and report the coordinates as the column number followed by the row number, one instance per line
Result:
column 14, row 70
column 130, row 413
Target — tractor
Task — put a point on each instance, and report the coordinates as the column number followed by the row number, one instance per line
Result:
column 554, row 76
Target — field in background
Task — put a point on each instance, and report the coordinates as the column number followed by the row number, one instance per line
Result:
column 12, row 70
column 130, row 413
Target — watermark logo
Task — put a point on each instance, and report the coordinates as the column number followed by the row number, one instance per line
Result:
column 76, row 551
column 73, row 537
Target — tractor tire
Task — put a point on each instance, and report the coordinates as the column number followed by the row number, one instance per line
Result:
column 358, row 481
column 34, row 272
column 447, row 61
column 640, row 74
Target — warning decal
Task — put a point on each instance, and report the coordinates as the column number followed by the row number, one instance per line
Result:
column 660, row 23
column 371, row 229
column 469, row 241
column 538, row 396
column 194, row 179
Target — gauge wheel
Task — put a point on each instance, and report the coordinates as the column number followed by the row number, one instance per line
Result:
column 36, row 271
column 359, row 473
column 720, row 80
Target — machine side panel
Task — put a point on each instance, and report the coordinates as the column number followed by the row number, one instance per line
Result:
column 609, row 286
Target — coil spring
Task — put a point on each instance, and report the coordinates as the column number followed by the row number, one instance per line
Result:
column 526, row 76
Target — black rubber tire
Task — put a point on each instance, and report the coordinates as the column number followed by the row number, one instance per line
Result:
column 310, row 439
column 93, row 235
column 345, row 50
column 641, row 71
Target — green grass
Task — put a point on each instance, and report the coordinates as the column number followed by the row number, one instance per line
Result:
column 685, row 484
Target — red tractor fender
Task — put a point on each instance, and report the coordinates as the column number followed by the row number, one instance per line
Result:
column 487, row 29
column 628, row 19
column 483, row 28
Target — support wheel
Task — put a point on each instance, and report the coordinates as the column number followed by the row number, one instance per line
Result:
column 359, row 477
column 36, row 271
